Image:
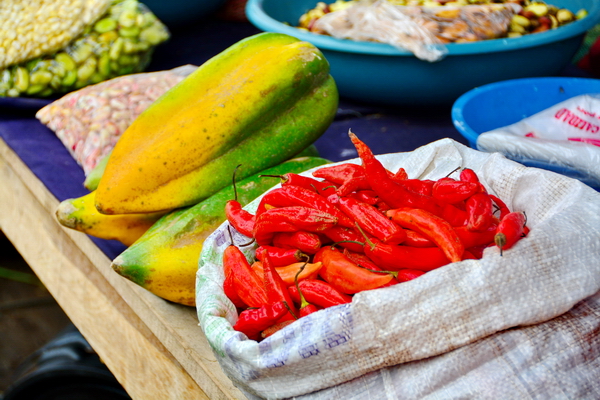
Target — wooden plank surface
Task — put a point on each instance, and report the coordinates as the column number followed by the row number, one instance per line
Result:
column 154, row 348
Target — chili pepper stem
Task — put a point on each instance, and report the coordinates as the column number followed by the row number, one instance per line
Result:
column 393, row 273
column 346, row 241
column 371, row 244
column 303, row 302
column 235, row 196
column 453, row 171
column 290, row 309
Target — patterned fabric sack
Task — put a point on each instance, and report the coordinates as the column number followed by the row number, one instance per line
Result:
column 439, row 333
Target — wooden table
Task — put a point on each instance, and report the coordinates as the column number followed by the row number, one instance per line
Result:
column 154, row 348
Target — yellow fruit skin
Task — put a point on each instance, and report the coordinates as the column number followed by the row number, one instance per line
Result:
column 258, row 103
column 81, row 214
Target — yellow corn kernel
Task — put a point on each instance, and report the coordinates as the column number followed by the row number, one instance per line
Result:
column 37, row 27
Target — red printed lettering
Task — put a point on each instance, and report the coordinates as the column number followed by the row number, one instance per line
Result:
column 563, row 112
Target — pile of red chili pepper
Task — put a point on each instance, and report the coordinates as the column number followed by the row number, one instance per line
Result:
column 353, row 228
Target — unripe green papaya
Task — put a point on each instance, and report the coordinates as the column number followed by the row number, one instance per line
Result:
column 257, row 103
column 164, row 260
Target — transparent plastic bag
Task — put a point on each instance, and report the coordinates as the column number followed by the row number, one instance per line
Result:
column 121, row 42
column 564, row 138
column 420, row 30
column 89, row 121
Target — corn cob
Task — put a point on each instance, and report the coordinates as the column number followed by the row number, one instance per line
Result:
column 31, row 28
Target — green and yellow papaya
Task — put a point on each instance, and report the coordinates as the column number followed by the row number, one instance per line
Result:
column 165, row 259
column 81, row 215
column 93, row 179
column 257, row 103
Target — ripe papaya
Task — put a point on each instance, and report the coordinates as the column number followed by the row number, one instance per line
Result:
column 93, row 178
column 81, row 215
column 257, row 103
column 165, row 259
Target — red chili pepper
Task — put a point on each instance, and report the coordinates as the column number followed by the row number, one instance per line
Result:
column 281, row 257
column 290, row 219
column 477, row 251
column 324, row 187
column 306, row 242
column 345, row 275
column 365, row 262
column 501, row 206
column 253, row 321
column 298, row 196
column 421, row 186
column 386, row 188
column 272, row 199
column 288, row 272
column 468, row 175
column 416, row 239
column 300, row 180
column 305, row 308
column 474, row 239
column 365, row 196
column 397, row 257
column 400, row 175
column 432, row 226
column 240, row 219
column 382, row 206
column 248, row 286
column 372, row 221
column 346, row 237
column 448, row 190
column 320, row 293
column 229, row 286
column 468, row 255
column 275, row 328
column 454, row 215
column 480, row 211
column 276, row 288
column 350, row 176
column 405, row 275
column 510, row 230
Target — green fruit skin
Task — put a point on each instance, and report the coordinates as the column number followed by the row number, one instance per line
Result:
column 181, row 233
column 93, row 178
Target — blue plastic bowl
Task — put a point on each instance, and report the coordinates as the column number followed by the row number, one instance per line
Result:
column 380, row 73
column 503, row 103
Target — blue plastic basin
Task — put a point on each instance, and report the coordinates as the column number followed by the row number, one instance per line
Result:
column 503, row 103
column 380, row 73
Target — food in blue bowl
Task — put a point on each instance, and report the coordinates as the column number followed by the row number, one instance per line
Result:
column 501, row 104
column 383, row 74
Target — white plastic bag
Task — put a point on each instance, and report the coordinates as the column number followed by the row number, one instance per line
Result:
column 420, row 30
column 542, row 277
column 565, row 136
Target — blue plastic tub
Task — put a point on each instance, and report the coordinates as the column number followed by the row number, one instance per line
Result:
column 503, row 103
column 380, row 73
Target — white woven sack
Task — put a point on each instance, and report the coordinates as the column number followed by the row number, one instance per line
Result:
column 541, row 277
